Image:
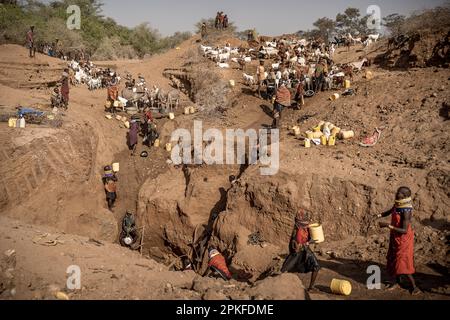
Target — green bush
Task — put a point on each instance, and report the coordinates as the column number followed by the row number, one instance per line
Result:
column 99, row 35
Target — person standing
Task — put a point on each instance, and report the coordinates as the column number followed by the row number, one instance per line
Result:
column 400, row 256
column 282, row 99
column 30, row 41
column 65, row 88
column 221, row 16
column 204, row 31
column 113, row 93
column 301, row 258
column 299, row 94
column 109, row 182
column 217, row 21
column 225, row 22
column 261, row 76
column 133, row 137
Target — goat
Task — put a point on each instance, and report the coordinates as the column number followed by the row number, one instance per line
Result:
column 94, row 83
column 223, row 57
column 374, row 37
column 367, row 43
column 223, row 65
column 358, row 65
column 248, row 79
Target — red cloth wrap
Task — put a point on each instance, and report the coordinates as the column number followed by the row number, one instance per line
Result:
column 219, row 262
column 400, row 257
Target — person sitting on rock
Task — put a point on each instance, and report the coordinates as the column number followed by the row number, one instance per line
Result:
column 218, row 264
column 109, row 181
column 301, row 258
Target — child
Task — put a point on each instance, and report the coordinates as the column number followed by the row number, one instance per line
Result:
column 218, row 264
column 400, row 257
column 301, row 259
column 109, row 181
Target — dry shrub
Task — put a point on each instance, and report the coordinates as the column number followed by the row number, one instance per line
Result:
column 436, row 19
column 210, row 90
column 192, row 57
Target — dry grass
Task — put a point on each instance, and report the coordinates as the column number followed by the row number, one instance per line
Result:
column 437, row 19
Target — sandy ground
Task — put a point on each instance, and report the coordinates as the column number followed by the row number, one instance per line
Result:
column 51, row 181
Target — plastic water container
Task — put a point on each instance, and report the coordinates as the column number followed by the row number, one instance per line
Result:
column 156, row 143
column 118, row 117
column 21, row 122
column 115, row 167
column 332, row 140
column 347, row 134
column 341, row 287
column 127, row 124
column 192, row 110
column 335, row 131
column 12, row 122
column 171, row 116
column 323, row 140
column 168, row 147
column 307, row 143
column 317, row 135
column 309, row 135
column 296, row 130
column 347, row 84
column 108, row 116
column 186, row 110
column 316, row 232
column 232, row 83
column 335, row 96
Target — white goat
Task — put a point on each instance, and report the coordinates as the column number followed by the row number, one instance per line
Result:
column 358, row 65
column 248, row 79
column 224, row 57
column 223, row 65
column 374, row 37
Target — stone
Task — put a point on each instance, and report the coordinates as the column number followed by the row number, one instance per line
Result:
column 286, row 286
column 213, row 294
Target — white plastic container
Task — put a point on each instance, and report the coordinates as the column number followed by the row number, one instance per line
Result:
column 115, row 167
column 21, row 122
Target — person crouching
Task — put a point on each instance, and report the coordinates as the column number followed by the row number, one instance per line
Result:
column 218, row 264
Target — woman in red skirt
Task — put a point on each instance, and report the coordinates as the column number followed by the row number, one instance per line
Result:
column 400, row 257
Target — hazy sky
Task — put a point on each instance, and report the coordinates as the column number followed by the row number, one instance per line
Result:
column 269, row 17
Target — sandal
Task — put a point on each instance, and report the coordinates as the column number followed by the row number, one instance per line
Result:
column 392, row 286
column 415, row 291
column 372, row 140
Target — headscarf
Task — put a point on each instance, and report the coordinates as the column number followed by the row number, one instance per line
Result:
column 212, row 253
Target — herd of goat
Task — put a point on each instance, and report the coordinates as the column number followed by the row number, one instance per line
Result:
column 292, row 61
column 135, row 96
